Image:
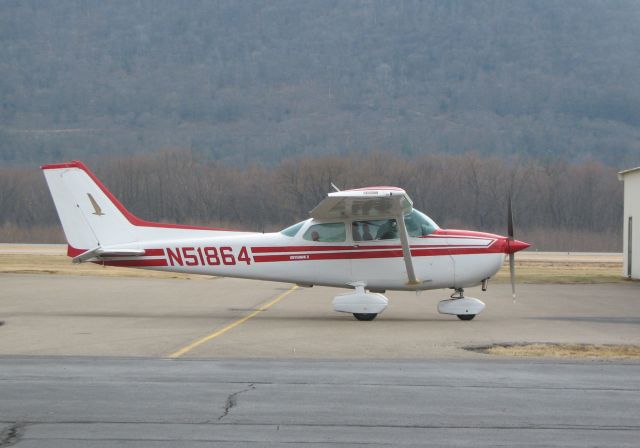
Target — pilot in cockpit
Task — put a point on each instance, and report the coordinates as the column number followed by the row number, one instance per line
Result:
column 355, row 232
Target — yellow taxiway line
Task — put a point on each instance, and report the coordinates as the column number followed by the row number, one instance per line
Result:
column 223, row 330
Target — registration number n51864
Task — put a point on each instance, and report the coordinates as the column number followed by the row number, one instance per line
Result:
column 207, row 256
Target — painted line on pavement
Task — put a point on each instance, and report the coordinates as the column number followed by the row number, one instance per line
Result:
column 223, row 330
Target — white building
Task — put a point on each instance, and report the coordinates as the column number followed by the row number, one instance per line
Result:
column 631, row 240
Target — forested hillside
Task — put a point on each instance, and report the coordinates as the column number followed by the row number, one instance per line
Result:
column 261, row 81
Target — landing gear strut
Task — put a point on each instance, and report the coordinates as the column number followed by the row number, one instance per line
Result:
column 459, row 294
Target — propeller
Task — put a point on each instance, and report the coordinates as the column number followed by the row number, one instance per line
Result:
column 512, row 257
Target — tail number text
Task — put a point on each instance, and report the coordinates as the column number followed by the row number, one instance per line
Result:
column 207, row 256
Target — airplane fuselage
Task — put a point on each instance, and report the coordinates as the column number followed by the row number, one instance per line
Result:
column 442, row 259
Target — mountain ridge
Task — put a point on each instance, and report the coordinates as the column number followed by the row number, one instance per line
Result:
column 259, row 82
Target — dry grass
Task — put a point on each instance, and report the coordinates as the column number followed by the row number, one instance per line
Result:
column 562, row 272
column 565, row 351
column 61, row 264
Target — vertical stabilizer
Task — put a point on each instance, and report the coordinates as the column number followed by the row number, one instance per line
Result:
column 88, row 213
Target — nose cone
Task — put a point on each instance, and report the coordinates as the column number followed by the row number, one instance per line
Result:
column 516, row 245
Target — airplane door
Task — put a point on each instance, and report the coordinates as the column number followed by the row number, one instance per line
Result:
column 329, row 252
column 374, row 258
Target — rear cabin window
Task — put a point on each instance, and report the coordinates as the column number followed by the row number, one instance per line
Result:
column 333, row 232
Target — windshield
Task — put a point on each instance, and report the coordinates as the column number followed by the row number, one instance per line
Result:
column 418, row 224
column 292, row 230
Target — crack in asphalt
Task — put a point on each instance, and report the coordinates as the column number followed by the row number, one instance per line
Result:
column 232, row 400
column 12, row 435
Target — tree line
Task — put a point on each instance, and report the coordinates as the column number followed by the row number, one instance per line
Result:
column 557, row 205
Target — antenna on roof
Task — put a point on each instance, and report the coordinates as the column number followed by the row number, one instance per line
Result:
column 334, row 186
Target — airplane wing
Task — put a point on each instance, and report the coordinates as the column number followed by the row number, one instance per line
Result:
column 364, row 203
column 371, row 203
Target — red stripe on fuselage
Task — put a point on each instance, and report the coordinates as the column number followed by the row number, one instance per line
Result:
column 263, row 250
column 364, row 245
column 154, row 252
column 395, row 253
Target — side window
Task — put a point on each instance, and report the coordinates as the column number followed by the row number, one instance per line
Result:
column 381, row 229
column 326, row 233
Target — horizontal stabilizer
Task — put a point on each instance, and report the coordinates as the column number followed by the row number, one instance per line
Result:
column 100, row 252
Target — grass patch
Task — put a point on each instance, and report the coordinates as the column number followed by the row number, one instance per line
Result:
column 546, row 350
column 61, row 264
column 562, row 272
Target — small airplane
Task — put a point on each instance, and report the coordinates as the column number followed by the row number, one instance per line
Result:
column 367, row 239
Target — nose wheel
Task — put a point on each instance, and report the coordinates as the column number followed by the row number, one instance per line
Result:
column 459, row 294
column 465, row 308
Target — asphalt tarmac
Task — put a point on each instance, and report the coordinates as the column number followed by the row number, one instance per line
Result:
column 100, row 361
column 104, row 316
column 105, row 402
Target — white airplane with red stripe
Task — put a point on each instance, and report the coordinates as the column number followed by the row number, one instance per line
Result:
column 368, row 240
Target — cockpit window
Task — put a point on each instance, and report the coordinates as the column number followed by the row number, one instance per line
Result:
column 418, row 224
column 333, row 232
column 378, row 229
column 292, row 230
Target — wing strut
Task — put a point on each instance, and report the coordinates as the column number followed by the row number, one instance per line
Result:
column 406, row 250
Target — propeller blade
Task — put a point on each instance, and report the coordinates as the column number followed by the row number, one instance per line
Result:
column 512, row 258
column 512, row 270
column 510, row 219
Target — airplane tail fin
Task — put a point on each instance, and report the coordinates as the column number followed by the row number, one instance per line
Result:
column 95, row 223
column 90, row 215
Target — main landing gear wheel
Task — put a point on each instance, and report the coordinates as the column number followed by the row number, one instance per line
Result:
column 365, row 316
column 466, row 316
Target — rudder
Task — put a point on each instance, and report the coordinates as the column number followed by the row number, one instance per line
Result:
column 89, row 214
